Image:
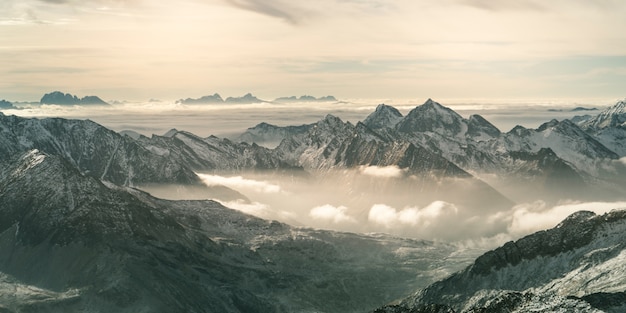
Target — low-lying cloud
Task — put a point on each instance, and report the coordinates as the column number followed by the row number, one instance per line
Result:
column 238, row 182
column 528, row 218
column 392, row 171
column 389, row 216
column 331, row 213
column 254, row 208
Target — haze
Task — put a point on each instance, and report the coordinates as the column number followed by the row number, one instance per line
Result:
column 137, row 49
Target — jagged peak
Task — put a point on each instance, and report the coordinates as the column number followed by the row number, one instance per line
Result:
column 613, row 116
column 383, row 116
column 550, row 124
column 576, row 218
column 477, row 123
column 332, row 118
column 171, row 133
column 388, row 108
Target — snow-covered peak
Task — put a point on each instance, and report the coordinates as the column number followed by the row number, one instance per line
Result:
column 433, row 117
column 480, row 129
column 556, row 270
column 330, row 121
column 384, row 116
column 613, row 116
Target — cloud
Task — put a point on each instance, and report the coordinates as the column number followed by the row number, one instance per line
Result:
column 237, row 182
column 528, row 218
column 502, row 5
column 271, row 8
column 411, row 216
column 331, row 213
column 295, row 12
column 392, row 171
column 254, row 208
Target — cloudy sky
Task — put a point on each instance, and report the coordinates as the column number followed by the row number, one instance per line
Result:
column 141, row 49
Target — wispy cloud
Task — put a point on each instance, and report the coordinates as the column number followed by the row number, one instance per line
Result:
column 272, row 8
column 504, row 4
column 238, row 182
column 531, row 217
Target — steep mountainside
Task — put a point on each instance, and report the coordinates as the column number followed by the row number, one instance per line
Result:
column 212, row 153
column 609, row 127
column 578, row 266
column 269, row 135
column 80, row 245
column 92, row 148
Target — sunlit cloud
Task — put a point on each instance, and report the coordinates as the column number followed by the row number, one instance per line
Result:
column 392, row 171
column 527, row 218
column 425, row 217
column 238, row 182
column 331, row 213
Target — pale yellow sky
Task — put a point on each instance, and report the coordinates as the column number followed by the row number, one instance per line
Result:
column 141, row 49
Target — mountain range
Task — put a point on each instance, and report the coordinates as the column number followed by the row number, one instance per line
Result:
column 71, row 242
column 78, row 234
column 57, row 97
column 249, row 98
column 577, row 266
column 559, row 159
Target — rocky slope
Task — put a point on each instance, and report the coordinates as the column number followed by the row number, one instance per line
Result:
column 92, row 148
column 57, row 97
column 69, row 242
column 578, row 266
column 609, row 127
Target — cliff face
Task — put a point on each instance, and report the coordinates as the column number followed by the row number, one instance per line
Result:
column 576, row 265
column 69, row 242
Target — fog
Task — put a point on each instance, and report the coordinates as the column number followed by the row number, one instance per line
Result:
column 368, row 198
column 228, row 120
column 391, row 201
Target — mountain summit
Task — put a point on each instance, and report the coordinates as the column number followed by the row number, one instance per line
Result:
column 576, row 266
column 57, row 97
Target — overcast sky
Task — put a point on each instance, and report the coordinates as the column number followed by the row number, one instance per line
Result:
column 141, row 49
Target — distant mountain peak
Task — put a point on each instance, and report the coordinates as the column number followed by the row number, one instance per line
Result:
column 305, row 98
column 432, row 117
column 60, row 98
column 614, row 116
column 6, row 105
column 384, row 116
column 215, row 98
column 245, row 99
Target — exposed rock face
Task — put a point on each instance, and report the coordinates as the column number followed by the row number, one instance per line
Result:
column 69, row 242
column 608, row 127
column 271, row 135
column 57, row 97
column 578, row 265
column 93, row 149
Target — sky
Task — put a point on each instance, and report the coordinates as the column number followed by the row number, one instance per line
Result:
column 142, row 49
